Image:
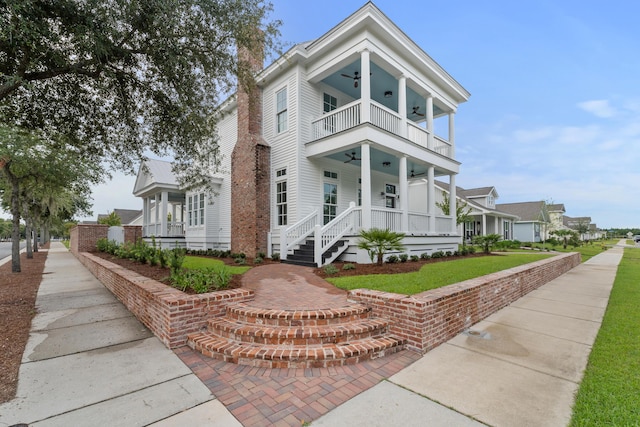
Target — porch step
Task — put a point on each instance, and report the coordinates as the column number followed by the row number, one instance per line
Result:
column 274, row 338
column 304, row 255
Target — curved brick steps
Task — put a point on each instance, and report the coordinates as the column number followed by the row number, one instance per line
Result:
column 274, row 338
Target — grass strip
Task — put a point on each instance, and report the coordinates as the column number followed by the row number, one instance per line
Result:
column 436, row 275
column 198, row 263
column 610, row 390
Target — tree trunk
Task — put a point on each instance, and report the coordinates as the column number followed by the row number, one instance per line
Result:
column 28, row 233
column 15, row 212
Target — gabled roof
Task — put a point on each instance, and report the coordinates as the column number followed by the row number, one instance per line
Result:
column 158, row 174
column 479, row 192
column 527, row 211
column 127, row 216
column 573, row 222
column 460, row 194
column 556, row 208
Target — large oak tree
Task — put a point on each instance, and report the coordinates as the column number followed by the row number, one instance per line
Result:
column 118, row 79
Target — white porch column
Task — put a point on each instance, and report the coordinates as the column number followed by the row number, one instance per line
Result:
column 365, row 185
column 145, row 215
column 430, row 135
column 431, row 199
column 365, row 86
column 453, row 203
column 484, row 225
column 156, row 206
column 165, row 209
column 402, row 105
column 404, row 194
column 452, row 134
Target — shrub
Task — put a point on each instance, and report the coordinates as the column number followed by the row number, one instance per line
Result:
column 240, row 260
column 330, row 269
column 176, row 258
column 258, row 260
column 425, row 255
column 348, row 267
column 404, row 257
column 261, row 255
column 448, row 253
column 392, row 259
column 437, row 254
column 487, row 242
column 415, row 258
column 275, row 256
column 378, row 242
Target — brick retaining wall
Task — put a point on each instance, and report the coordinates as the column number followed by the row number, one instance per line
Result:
column 169, row 313
column 433, row 317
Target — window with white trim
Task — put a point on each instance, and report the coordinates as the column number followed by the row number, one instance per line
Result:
column 390, row 196
column 195, row 210
column 281, row 196
column 281, row 111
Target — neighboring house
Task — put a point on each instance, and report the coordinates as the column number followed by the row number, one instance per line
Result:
column 127, row 216
column 556, row 217
column 485, row 218
column 586, row 230
column 533, row 225
column 343, row 128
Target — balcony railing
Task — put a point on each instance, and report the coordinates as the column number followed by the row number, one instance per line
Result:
column 174, row 229
column 350, row 116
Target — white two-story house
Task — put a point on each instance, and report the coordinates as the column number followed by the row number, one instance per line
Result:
column 328, row 142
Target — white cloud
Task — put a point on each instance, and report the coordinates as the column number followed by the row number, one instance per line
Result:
column 599, row 108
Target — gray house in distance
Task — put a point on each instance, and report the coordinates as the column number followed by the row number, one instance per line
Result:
column 534, row 220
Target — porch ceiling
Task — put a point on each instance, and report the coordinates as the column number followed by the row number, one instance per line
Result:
column 379, row 159
column 381, row 82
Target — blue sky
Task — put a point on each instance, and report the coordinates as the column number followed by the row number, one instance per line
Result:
column 554, row 112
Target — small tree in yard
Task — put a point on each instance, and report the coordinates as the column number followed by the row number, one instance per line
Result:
column 565, row 235
column 487, row 242
column 111, row 219
column 378, row 242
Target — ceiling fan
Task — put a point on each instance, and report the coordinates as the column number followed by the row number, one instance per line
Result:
column 351, row 156
column 356, row 76
column 415, row 111
column 413, row 174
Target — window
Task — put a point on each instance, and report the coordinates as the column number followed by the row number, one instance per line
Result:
column 281, row 110
column 281, row 197
column 332, row 175
column 491, row 201
column 390, row 196
column 195, row 210
column 330, row 103
column 330, row 206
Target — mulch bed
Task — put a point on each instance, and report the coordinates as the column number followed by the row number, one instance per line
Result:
column 17, row 307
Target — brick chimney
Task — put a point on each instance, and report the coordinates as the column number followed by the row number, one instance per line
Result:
column 250, row 164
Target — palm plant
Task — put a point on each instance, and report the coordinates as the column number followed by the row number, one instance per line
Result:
column 377, row 242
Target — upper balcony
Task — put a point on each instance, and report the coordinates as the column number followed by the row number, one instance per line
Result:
column 350, row 116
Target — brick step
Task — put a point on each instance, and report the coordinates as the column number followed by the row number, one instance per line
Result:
column 275, row 356
column 298, row 335
column 273, row 317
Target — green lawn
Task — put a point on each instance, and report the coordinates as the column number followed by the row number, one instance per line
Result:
column 610, row 391
column 196, row 263
column 587, row 251
column 438, row 274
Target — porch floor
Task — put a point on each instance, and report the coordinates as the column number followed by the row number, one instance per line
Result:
column 260, row 396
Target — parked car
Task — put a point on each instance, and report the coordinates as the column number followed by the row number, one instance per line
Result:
column 636, row 238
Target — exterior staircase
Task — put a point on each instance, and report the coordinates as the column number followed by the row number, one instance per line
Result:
column 305, row 254
column 272, row 338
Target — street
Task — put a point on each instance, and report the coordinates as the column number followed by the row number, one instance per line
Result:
column 5, row 249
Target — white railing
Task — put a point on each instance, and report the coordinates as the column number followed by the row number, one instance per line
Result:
column 386, row 218
column 444, row 224
column 297, row 233
column 338, row 120
column 385, row 118
column 174, row 229
column 418, row 223
column 442, row 147
column 417, row 134
column 337, row 228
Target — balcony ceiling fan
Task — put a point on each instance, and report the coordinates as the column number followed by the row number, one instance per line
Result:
column 352, row 157
column 356, row 76
column 413, row 174
column 415, row 111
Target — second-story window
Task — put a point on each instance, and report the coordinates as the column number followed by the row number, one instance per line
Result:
column 281, row 110
column 330, row 103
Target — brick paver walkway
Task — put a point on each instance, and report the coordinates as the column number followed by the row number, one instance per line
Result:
column 289, row 397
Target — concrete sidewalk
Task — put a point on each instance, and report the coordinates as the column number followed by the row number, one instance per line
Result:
column 519, row 367
column 88, row 361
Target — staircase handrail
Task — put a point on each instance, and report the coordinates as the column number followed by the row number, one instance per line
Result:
column 333, row 231
column 298, row 232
